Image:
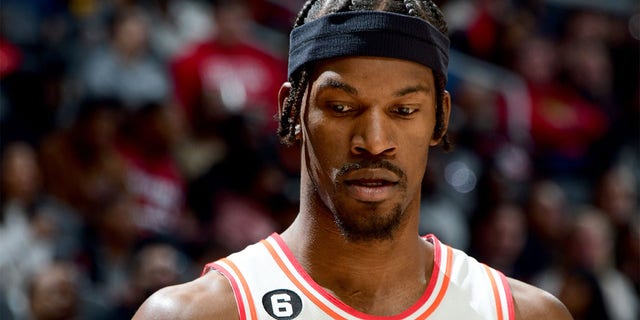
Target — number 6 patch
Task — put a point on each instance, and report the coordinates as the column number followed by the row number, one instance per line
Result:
column 282, row 304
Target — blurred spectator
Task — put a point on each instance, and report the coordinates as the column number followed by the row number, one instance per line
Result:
column 628, row 249
column 152, row 174
column 590, row 247
column 548, row 218
column 34, row 227
column 81, row 166
column 582, row 295
column 233, row 198
column 587, row 66
column 108, row 246
column 125, row 68
column 227, row 88
column 588, row 44
column 229, row 73
column 22, row 189
column 21, row 176
column 94, row 19
column 564, row 125
column 499, row 237
column 176, row 25
column 57, row 291
column 54, row 293
column 476, row 107
column 476, row 26
column 616, row 194
column 506, row 178
column 25, row 233
column 155, row 263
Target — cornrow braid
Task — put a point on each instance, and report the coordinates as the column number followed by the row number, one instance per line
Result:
column 425, row 10
column 299, row 80
column 314, row 9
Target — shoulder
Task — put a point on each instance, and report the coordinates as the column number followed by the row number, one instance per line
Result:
column 534, row 303
column 208, row 297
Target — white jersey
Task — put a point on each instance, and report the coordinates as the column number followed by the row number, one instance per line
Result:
column 269, row 283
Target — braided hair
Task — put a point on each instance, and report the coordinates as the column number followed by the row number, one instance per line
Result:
column 314, row 9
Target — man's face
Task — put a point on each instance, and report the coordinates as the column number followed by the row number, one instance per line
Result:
column 367, row 125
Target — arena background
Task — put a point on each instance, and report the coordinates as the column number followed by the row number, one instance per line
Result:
column 138, row 142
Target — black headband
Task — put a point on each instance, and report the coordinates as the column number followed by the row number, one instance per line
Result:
column 369, row 33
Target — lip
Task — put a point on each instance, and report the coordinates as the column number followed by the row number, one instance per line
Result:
column 371, row 174
column 371, row 185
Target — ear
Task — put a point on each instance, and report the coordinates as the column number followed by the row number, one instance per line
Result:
column 446, row 109
column 282, row 97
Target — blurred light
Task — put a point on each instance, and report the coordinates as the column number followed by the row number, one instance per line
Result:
column 460, row 177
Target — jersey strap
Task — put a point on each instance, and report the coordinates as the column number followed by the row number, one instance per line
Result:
column 269, row 283
column 336, row 309
column 241, row 290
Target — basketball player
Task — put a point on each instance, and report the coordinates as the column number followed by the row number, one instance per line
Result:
column 365, row 100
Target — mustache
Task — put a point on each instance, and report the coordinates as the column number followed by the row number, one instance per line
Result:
column 371, row 164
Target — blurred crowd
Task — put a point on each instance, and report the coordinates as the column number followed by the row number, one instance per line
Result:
column 137, row 142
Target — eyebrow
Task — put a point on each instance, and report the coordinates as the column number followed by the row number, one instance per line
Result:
column 336, row 84
column 412, row 89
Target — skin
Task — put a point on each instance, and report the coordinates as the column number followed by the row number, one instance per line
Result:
column 349, row 220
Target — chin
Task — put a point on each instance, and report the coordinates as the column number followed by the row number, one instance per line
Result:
column 370, row 223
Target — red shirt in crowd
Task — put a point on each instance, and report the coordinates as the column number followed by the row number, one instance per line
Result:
column 241, row 76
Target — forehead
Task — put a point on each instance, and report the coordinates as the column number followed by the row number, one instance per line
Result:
column 379, row 71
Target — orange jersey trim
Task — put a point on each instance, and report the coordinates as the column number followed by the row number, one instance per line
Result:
column 444, row 287
column 509, row 296
column 348, row 310
column 496, row 293
column 245, row 287
column 439, row 292
column 297, row 283
column 233, row 280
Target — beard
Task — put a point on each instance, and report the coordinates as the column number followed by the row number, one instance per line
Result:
column 371, row 225
column 370, row 222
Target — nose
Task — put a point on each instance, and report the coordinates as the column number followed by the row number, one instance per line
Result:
column 373, row 135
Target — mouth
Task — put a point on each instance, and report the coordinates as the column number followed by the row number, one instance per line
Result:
column 370, row 190
column 371, row 185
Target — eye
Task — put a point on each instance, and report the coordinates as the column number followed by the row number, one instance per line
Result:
column 405, row 110
column 340, row 107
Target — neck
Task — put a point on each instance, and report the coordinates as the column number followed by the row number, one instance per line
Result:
column 377, row 277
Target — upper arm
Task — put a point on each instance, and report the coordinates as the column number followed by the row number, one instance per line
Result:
column 534, row 303
column 208, row 297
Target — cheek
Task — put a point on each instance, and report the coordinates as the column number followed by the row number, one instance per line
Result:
column 322, row 145
column 415, row 151
column 417, row 139
column 417, row 163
